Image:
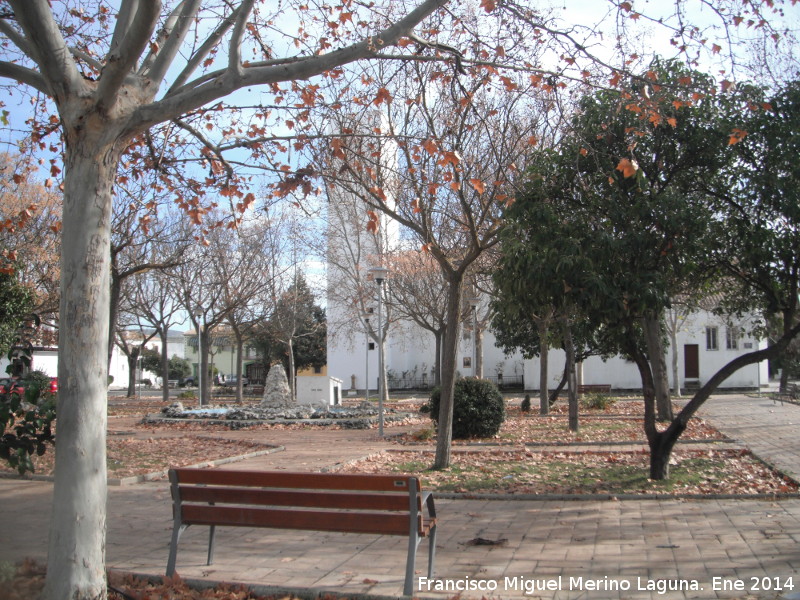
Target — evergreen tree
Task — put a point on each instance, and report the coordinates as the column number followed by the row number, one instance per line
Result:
column 296, row 333
column 16, row 301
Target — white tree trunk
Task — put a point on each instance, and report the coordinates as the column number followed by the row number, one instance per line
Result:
column 76, row 556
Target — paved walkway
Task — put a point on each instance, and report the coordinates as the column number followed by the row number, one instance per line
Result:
column 556, row 549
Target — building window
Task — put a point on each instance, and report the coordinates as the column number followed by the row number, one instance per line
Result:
column 467, row 362
column 372, row 345
column 732, row 338
column 711, row 338
column 317, row 370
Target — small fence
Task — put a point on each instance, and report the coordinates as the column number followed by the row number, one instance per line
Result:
column 508, row 382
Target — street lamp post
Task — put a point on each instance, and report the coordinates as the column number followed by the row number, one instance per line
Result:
column 379, row 274
column 199, row 315
column 473, row 302
column 366, row 316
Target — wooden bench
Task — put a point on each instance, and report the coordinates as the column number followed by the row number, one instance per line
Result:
column 377, row 504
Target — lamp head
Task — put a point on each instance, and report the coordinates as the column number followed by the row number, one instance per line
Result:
column 378, row 274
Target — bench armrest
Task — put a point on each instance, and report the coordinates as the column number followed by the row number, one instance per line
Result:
column 427, row 499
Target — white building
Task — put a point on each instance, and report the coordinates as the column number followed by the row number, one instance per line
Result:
column 45, row 358
column 705, row 343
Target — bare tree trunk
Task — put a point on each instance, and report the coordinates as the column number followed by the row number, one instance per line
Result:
column 437, row 364
column 239, row 347
column 561, row 385
column 479, row 352
column 163, row 333
column 290, row 374
column 672, row 320
column 113, row 311
column 572, row 384
column 676, row 374
column 76, row 554
column 655, row 349
column 788, row 320
column 784, row 381
column 544, row 355
column 133, row 358
column 444, row 436
column 382, row 370
column 203, row 376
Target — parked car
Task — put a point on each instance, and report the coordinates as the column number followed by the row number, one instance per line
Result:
column 230, row 381
column 189, row 381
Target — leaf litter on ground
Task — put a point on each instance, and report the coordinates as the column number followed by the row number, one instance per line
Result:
column 613, row 473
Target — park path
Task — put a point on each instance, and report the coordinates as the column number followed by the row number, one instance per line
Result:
column 568, row 546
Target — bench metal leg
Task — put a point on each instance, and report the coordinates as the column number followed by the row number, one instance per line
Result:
column 173, row 548
column 211, row 532
column 431, row 551
column 413, row 544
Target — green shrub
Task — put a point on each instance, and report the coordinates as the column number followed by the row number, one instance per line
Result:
column 478, row 408
column 37, row 387
column 7, row 572
column 598, row 401
column 26, row 423
column 526, row 404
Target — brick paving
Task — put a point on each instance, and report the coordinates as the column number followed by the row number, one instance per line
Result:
column 555, row 549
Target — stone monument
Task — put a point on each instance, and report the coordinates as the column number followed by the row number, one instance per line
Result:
column 276, row 389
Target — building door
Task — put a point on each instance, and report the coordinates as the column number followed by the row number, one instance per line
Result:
column 691, row 361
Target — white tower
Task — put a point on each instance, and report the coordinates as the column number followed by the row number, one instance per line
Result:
column 359, row 238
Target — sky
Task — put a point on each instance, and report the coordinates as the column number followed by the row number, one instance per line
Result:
column 571, row 11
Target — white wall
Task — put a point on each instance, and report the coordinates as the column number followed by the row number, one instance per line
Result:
column 622, row 374
column 316, row 390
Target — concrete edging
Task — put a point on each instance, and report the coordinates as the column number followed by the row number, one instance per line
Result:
column 133, row 479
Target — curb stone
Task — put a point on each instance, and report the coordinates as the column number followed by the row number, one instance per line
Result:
column 269, row 591
column 133, row 479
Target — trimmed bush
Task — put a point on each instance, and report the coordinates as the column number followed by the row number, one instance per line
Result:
column 526, row 404
column 478, row 408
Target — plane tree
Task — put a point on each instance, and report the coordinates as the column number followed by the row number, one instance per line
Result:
column 153, row 301
column 245, row 260
column 146, row 235
column 441, row 166
column 417, row 293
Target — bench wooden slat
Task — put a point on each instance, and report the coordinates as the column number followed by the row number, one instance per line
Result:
column 305, row 498
column 376, row 483
column 355, row 522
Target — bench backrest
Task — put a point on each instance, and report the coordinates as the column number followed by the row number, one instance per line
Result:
column 382, row 504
